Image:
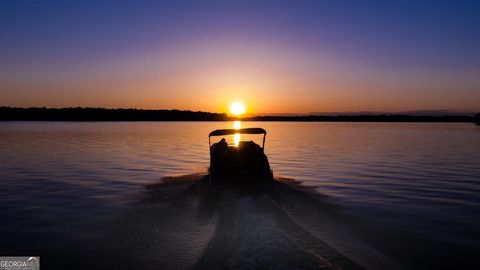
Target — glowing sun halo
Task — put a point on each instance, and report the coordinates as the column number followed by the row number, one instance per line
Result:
column 237, row 108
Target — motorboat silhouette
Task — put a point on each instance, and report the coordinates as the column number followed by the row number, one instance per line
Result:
column 239, row 165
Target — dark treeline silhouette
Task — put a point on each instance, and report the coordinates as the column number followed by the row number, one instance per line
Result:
column 102, row 114
column 477, row 118
column 366, row 118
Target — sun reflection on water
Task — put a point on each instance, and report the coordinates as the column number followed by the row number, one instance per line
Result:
column 237, row 124
column 236, row 137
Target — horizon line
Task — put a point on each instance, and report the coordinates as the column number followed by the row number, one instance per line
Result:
column 421, row 112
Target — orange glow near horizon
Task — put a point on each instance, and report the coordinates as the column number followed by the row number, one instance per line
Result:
column 271, row 86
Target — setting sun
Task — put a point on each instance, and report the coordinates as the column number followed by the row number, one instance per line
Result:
column 237, row 108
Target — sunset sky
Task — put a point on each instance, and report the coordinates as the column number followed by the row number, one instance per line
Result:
column 275, row 56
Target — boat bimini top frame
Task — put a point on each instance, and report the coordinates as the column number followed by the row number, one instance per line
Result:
column 222, row 132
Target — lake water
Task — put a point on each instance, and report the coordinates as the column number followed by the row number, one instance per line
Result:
column 413, row 189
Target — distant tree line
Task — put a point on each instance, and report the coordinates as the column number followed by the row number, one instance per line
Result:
column 102, row 114
column 367, row 118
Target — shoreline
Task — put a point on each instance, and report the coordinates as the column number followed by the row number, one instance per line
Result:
column 140, row 115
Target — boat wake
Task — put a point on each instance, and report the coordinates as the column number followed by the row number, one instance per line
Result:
column 182, row 223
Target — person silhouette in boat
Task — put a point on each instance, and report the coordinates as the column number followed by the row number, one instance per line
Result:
column 220, row 148
column 218, row 154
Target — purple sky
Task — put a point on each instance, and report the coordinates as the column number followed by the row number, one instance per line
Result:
column 275, row 56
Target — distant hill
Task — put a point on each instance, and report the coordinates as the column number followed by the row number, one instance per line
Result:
column 103, row 114
column 411, row 113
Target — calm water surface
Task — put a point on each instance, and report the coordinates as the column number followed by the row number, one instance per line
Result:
column 411, row 181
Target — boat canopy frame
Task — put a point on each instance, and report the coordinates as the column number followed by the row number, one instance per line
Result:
column 222, row 132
